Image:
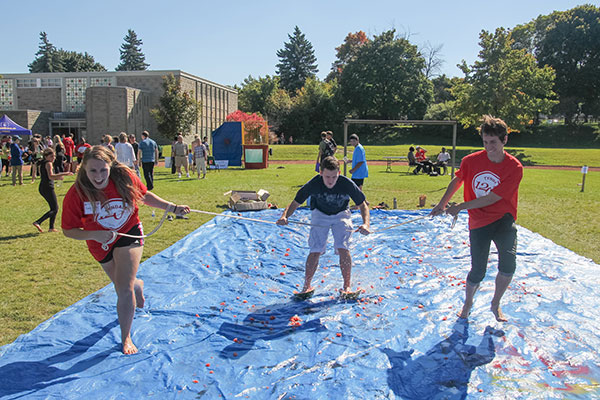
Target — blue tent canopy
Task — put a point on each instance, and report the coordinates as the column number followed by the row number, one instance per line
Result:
column 10, row 127
column 227, row 143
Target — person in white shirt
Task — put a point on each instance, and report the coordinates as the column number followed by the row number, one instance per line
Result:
column 442, row 161
column 125, row 153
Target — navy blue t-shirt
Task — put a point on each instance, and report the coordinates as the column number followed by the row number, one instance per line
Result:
column 330, row 201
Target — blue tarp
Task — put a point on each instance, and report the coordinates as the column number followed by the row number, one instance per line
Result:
column 227, row 143
column 219, row 322
column 10, row 127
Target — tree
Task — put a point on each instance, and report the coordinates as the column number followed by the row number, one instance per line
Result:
column 504, row 82
column 312, row 111
column 433, row 60
column 73, row 61
column 386, row 80
column 47, row 59
column 254, row 93
column 277, row 108
column 346, row 52
column 132, row 58
column 571, row 45
column 297, row 62
column 177, row 111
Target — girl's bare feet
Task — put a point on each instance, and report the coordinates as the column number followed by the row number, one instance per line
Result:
column 129, row 347
column 500, row 317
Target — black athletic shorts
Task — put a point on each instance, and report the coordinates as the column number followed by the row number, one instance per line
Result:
column 124, row 241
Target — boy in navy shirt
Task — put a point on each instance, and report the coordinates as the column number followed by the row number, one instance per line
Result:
column 329, row 194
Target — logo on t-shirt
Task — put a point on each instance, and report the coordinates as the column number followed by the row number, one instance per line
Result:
column 113, row 214
column 484, row 182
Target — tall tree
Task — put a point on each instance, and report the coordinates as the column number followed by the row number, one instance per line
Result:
column 177, row 111
column 571, row 45
column 386, row 80
column 346, row 52
column 433, row 59
column 504, row 82
column 73, row 61
column 132, row 58
column 47, row 59
column 297, row 62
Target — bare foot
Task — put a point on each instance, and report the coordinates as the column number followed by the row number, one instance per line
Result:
column 498, row 313
column 138, row 288
column 466, row 310
column 53, row 230
column 38, row 227
column 129, row 347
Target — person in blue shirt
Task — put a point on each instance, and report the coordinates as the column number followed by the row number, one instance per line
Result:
column 359, row 170
column 329, row 194
column 148, row 154
column 16, row 160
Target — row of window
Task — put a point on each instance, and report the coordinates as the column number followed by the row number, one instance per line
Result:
column 39, row 82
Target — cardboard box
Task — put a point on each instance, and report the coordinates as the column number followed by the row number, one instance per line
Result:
column 245, row 200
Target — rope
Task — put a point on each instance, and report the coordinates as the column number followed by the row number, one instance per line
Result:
column 115, row 234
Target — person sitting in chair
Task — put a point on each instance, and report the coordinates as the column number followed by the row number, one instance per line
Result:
column 442, row 161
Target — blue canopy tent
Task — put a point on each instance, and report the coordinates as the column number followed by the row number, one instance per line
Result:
column 227, row 143
column 10, row 127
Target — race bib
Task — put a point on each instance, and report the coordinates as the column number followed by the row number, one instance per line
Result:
column 484, row 182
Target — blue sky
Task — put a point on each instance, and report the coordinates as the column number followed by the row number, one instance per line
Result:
column 225, row 41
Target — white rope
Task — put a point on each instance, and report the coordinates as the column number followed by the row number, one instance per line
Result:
column 115, row 233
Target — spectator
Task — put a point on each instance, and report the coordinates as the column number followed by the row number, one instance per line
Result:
column 35, row 156
column 422, row 161
column 200, row 157
column 205, row 143
column 124, row 151
column 46, row 189
column 442, row 161
column 180, row 150
column 106, row 142
column 81, row 147
column 148, row 154
column 359, row 170
column 135, row 146
column 331, row 143
column 5, row 155
column 59, row 151
column 69, row 147
column 16, row 160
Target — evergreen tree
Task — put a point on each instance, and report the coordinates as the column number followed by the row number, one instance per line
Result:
column 47, row 60
column 177, row 111
column 296, row 62
column 132, row 58
column 73, row 61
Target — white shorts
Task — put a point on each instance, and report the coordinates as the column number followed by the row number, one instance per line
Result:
column 340, row 225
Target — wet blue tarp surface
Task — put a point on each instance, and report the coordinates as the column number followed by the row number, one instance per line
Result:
column 219, row 322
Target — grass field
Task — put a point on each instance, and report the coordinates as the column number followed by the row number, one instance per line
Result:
column 41, row 274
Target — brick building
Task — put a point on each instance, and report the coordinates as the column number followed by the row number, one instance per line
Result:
column 91, row 104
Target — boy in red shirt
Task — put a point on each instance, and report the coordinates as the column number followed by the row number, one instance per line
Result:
column 69, row 147
column 491, row 178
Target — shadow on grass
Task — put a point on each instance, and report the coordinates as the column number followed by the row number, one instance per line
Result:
column 23, row 236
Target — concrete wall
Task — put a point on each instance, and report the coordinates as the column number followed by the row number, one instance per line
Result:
column 44, row 99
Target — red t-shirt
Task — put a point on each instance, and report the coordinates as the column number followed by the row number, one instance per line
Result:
column 420, row 155
column 480, row 176
column 109, row 216
column 69, row 146
column 81, row 149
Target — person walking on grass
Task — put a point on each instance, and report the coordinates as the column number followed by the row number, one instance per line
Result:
column 124, row 151
column 148, row 154
column 329, row 194
column 103, row 200
column 46, row 188
column 491, row 180
column 359, row 170
column 16, row 160
column 181, row 150
column 200, row 156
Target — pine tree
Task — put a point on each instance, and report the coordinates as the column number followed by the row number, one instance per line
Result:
column 297, row 62
column 47, row 60
column 132, row 58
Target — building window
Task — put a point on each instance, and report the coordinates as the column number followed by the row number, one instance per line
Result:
column 51, row 82
column 27, row 83
column 75, row 94
column 6, row 94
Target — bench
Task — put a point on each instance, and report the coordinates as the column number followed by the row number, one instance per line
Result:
column 389, row 160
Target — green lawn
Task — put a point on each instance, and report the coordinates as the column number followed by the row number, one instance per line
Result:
column 41, row 274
